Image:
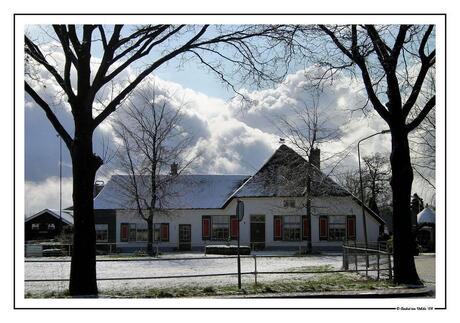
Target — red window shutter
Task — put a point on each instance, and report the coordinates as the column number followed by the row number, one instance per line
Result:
column 351, row 227
column 165, row 232
column 124, row 232
column 206, row 228
column 323, row 228
column 277, row 230
column 233, row 227
column 305, row 228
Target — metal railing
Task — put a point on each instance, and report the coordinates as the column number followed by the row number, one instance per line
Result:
column 375, row 259
column 255, row 272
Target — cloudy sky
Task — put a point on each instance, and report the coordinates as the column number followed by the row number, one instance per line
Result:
column 232, row 137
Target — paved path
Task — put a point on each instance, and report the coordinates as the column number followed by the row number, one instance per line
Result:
column 426, row 264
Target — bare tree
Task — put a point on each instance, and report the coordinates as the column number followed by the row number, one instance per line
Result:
column 378, row 56
column 153, row 140
column 423, row 141
column 305, row 128
column 82, row 81
column 376, row 180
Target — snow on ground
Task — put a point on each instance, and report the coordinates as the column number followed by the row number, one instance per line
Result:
column 175, row 266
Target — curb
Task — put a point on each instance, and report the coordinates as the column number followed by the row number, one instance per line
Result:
column 384, row 293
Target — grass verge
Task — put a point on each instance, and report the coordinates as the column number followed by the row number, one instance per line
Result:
column 321, row 283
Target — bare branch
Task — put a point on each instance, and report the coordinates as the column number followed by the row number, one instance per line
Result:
column 419, row 118
column 51, row 116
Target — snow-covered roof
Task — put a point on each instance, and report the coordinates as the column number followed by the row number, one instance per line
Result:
column 427, row 215
column 66, row 215
column 182, row 192
column 284, row 174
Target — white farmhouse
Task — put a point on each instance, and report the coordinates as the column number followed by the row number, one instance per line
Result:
column 200, row 210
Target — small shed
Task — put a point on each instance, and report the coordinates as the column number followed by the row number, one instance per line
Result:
column 45, row 224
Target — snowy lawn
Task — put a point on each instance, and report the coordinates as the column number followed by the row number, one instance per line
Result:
column 148, row 267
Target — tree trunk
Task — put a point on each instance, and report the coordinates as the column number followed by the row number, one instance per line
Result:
column 84, row 167
column 150, row 236
column 401, row 183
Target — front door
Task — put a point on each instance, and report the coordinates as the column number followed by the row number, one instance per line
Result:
column 185, row 237
column 257, row 232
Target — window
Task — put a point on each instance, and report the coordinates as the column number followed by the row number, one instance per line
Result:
column 337, row 228
column 220, row 227
column 156, row 231
column 132, row 232
column 291, row 227
column 289, row 203
column 35, row 226
column 142, row 232
column 51, row 226
column 102, row 232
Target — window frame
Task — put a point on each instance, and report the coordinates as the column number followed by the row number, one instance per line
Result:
column 144, row 229
column 291, row 230
column 279, row 227
column 332, row 225
column 224, row 227
column 106, row 231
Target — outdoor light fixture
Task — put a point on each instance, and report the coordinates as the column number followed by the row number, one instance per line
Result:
column 361, row 186
column 240, row 215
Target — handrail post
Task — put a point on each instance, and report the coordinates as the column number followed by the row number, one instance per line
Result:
column 255, row 269
column 345, row 257
column 390, row 272
column 356, row 258
column 378, row 265
column 367, row 262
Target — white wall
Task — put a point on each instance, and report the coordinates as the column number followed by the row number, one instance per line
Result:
column 257, row 206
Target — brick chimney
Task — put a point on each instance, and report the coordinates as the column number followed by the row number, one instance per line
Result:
column 173, row 169
column 315, row 157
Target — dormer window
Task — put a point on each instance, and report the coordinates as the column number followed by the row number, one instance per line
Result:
column 289, row 203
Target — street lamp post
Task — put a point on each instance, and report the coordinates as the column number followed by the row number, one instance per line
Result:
column 362, row 189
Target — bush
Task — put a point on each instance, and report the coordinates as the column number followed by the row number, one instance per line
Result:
column 209, row 290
